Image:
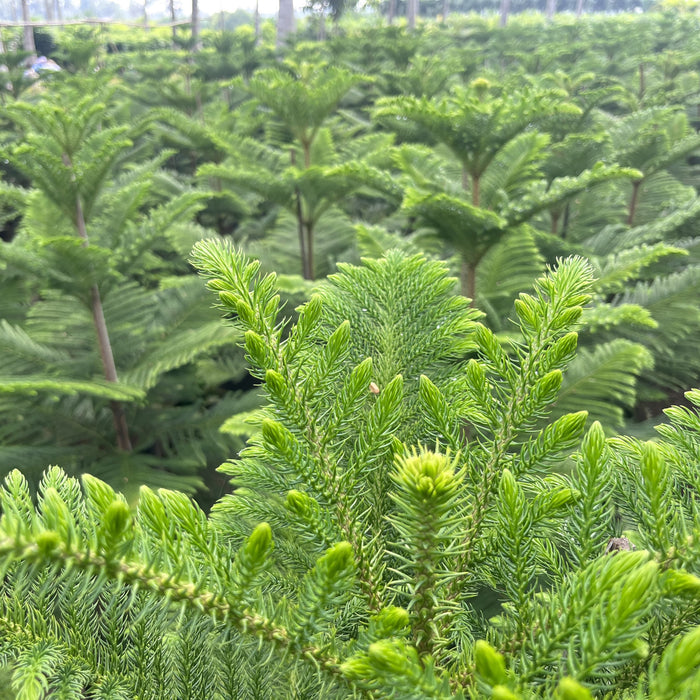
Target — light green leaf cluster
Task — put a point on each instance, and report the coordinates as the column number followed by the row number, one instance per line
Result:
column 409, row 521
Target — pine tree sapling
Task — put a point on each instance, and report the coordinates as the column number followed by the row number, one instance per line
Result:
column 101, row 357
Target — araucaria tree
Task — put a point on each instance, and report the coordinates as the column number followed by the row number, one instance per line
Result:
column 300, row 99
column 402, row 478
column 98, row 362
column 492, row 134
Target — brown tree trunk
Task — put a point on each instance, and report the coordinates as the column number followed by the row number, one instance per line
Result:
column 28, row 37
column 565, row 222
column 554, row 229
column 105, row 347
column 305, row 273
column 310, row 251
column 634, row 199
column 476, row 190
column 118, row 416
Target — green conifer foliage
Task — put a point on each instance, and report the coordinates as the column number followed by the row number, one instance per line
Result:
column 493, row 134
column 301, row 99
column 98, row 362
column 399, row 479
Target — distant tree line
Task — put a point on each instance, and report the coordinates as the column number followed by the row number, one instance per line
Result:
column 433, row 8
column 59, row 9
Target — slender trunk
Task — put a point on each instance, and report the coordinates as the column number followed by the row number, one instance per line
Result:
column 285, row 20
column 322, row 26
column 195, row 26
column 445, row 10
column 171, row 8
column 391, row 12
column 310, row 250
column 300, row 231
column 565, row 223
column 467, row 279
column 504, row 11
column 105, row 347
column 633, row 202
column 411, row 13
column 300, row 224
column 551, row 9
column 256, row 21
column 302, row 236
column 59, row 11
column 642, row 81
column 554, row 229
column 467, row 274
column 28, row 42
column 476, row 186
column 307, row 225
column 48, row 6
column 118, row 416
column 13, row 10
column 2, row 45
column 579, row 8
column 145, row 14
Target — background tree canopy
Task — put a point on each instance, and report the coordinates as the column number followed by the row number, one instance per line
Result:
column 495, row 149
column 459, row 270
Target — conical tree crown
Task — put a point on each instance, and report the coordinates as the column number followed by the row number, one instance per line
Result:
column 476, row 122
column 302, row 97
column 68, row 152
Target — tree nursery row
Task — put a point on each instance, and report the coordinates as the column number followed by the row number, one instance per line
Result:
column 432, row 294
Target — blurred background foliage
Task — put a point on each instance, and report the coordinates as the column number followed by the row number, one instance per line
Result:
column 499, row 149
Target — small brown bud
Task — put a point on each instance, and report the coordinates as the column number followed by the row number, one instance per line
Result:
column 373, row 388
column 618, row 544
